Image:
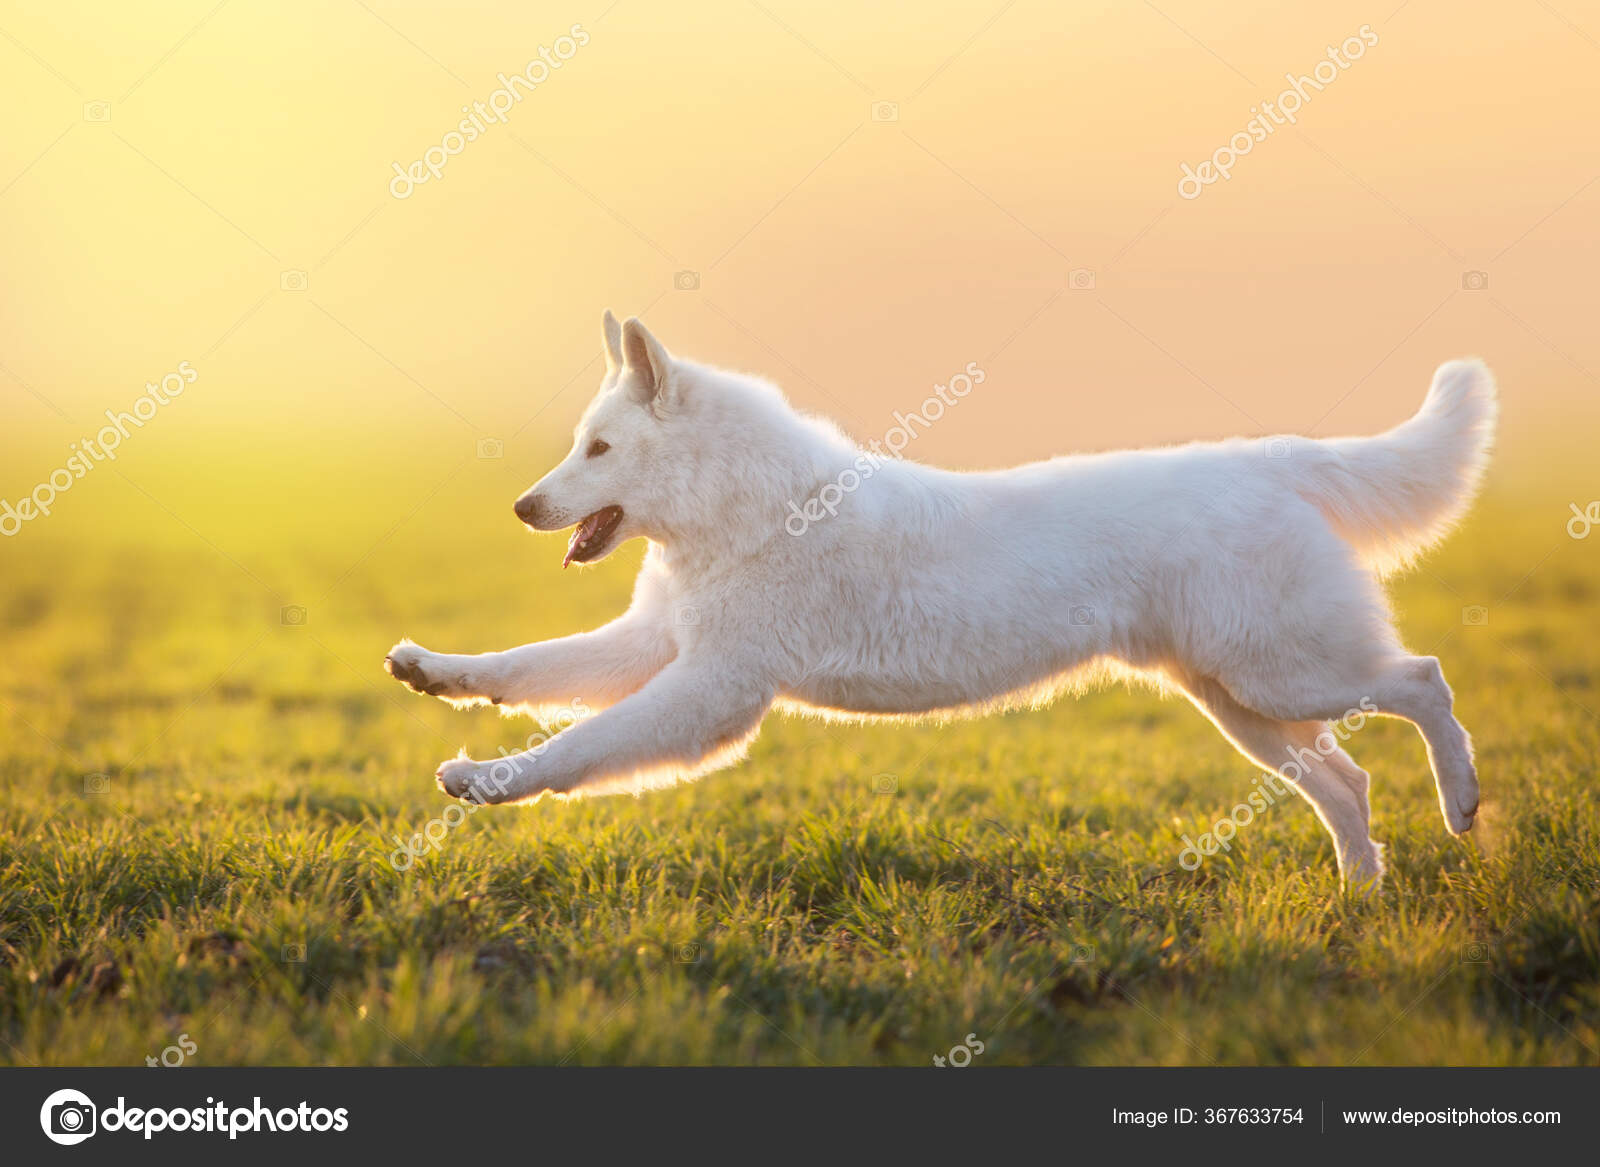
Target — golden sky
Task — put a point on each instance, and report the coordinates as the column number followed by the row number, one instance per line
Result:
column 869, row 197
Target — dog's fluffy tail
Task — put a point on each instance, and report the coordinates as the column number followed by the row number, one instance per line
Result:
column 1394, row 495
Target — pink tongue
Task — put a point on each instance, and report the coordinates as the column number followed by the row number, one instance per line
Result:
column 579, row 534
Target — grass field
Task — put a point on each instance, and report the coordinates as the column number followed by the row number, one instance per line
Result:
column 199, row 802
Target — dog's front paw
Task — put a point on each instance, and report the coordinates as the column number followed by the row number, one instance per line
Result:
column 504, row 780
column 408, row 664
column 464, row 778
column 458, row 679
column 485, row 783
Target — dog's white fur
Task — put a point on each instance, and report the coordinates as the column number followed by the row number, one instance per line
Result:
column 1248, row 582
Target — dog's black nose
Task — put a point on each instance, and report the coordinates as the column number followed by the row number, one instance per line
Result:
column 528, row 508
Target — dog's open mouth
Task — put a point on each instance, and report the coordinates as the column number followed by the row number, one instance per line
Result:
column 591, row 537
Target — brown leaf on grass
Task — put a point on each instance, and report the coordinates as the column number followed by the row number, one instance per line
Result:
column 103, row 978
column 505, row 956
column 223, row 946
column 64, row 972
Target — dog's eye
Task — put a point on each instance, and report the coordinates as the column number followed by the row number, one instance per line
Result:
column 596, row 448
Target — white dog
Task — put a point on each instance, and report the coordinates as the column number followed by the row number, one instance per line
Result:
column 1243, row 573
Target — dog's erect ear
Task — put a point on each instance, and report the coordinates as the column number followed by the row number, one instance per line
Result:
column 611, row 339
column 648, row 362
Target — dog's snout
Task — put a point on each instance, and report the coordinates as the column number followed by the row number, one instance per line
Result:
column 529, row 507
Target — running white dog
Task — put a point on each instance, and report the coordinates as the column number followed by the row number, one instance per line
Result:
column 1243, row 573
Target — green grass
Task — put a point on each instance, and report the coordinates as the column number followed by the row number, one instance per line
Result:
column 1019, row 883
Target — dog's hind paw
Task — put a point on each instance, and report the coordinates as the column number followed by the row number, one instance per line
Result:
column 1459, row 803
column 1362, row 872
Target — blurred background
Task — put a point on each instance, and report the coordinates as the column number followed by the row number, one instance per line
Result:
column 853, row 200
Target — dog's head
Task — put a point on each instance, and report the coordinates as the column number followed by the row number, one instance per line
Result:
column 682, row 453
column 618, row 479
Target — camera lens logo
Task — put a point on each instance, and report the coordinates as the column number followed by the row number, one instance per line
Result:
column 67, row 1117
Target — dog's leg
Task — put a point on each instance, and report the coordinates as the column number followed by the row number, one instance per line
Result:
column 1327, row 649
column 1415, row 689
column 1327, row 777
column 598, row 668
column 1393, row 683
column 695, row 715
